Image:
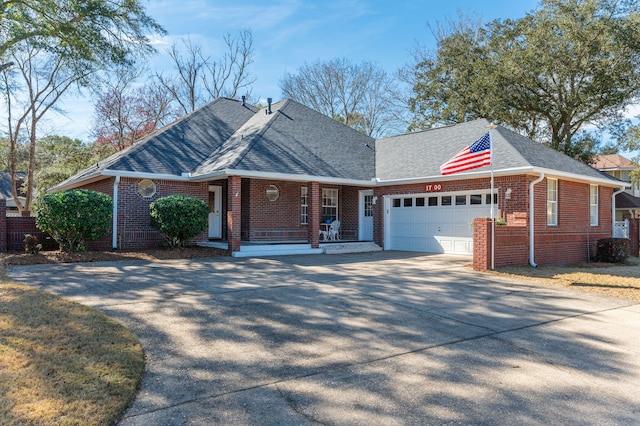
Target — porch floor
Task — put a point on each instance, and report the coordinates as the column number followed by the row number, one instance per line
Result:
column 277, row 248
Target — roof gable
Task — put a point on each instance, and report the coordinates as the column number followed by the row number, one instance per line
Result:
column 613, row 162
column 295, row 139
column 183, row 145
column 179, row 147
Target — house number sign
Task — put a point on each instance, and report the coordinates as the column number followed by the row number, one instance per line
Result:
column 436, row 187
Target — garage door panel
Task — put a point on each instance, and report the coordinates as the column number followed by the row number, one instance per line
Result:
column 434, row 229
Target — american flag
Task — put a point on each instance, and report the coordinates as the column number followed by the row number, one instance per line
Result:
column 476, row 155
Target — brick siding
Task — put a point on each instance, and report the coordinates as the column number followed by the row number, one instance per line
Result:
column 14, row 228
column 634, row 236
column 572, row 240
column 280, row 220
column 3, row 225
column 134, row 230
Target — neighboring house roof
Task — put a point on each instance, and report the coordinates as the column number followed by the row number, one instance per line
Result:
column 613, row 162
column 420, row 154
column 624, row 200
column 5, row 183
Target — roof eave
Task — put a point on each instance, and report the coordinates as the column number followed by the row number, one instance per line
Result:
column 457, row 176
column 507, row 172
column 614, row 183
column 99, row 175
column 281, row 176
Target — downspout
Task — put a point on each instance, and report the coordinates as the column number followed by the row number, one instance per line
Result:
column 613, row 208
column 114, row 239
column 532, row 221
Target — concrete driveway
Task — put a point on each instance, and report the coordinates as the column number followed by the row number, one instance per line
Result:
column 383, row 338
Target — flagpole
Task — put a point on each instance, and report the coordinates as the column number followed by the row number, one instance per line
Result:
column 493, row 221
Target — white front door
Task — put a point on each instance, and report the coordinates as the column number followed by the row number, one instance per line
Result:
column 215, row 211
column 366, row 216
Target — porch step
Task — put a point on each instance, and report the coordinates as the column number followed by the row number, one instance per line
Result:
column 259, row 250
column 357, row 247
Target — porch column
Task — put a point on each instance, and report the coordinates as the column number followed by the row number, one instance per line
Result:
column 313, row 214
column 3, row 225
column 234, row 207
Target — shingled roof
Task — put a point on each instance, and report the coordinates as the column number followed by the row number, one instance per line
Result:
column 296, row 140
column 228, row 137
column 624, row 200
column 5, row 183
column 420, row 154
column 613, row 162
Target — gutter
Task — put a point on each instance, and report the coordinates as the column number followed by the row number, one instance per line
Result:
column 279, row 176
column 503, row 172
column 185, row 177
column 114, row 238
column 532, row 220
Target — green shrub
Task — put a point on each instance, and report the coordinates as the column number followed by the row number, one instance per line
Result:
column 612, row 250
column 179, row 218
column 75, row 216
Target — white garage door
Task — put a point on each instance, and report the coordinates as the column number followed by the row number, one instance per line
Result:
column 436, row 223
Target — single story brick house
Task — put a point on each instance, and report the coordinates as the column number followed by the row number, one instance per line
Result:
column 276, row 175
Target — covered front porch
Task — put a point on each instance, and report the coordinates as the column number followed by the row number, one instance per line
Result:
column 252, row 217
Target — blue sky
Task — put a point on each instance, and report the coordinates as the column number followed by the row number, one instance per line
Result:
column 288, row 33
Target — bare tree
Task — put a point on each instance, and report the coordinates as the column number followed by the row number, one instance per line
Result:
column 124, row 113
column 113, row 108
column 56, row 45
column 230, row 74
column 38, row 84
column 185, row 85
column 199, row 79
column 359, row 95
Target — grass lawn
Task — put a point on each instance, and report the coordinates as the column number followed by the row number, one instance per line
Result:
column 617, row 280
column 61, row 362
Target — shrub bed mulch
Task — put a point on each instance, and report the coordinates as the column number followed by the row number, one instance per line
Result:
column 44, row 257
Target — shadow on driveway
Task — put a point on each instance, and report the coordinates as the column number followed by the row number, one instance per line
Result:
column 375, row 338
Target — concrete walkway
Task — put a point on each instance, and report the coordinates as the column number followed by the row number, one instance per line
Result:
column 378, row 338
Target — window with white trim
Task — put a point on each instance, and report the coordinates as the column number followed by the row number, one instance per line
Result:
column 552, row 202
column 368, row 205
column 593, row 205
column 329, row 204
column 304, row 204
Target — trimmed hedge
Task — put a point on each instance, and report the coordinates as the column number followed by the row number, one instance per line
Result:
column 179, row 218
column 612, row 250
column 75, row 216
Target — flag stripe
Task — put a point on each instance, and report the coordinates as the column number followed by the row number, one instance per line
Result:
column 478, row 154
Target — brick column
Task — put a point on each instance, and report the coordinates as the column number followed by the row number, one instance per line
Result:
column 3, row 225
column 634, row 236
column 234, row 211
column 481, row 243
column 378, row 216
column 313, row 214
